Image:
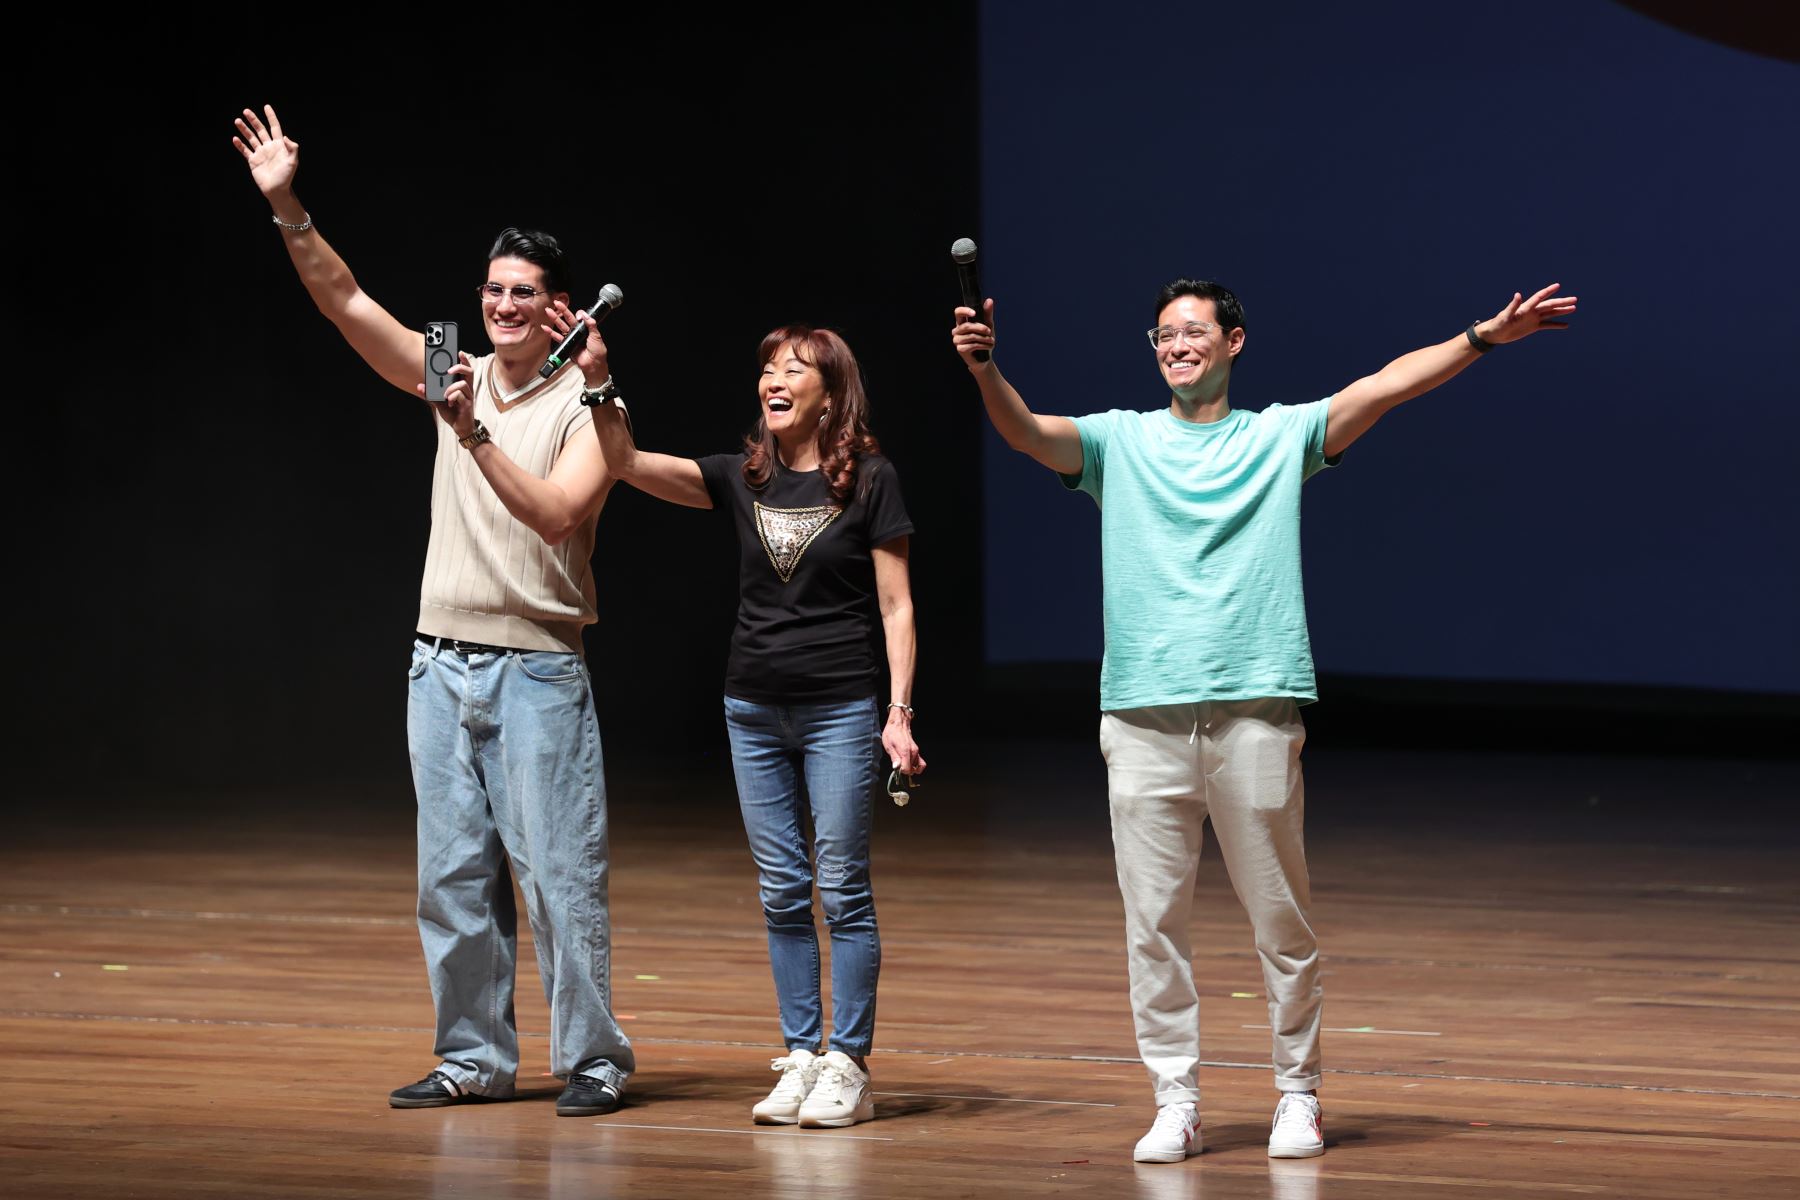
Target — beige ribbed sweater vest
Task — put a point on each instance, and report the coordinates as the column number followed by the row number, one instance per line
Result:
column 488, row 576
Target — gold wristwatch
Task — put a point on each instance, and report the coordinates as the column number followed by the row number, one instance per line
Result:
column 476, row 437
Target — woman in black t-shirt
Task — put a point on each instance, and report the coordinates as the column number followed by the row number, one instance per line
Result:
column 822, row 539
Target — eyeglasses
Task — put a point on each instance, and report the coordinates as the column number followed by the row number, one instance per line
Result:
column 898, row 785
column 520, row 292
column 1163, row 336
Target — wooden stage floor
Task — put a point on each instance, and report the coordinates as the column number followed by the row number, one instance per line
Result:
column 1555, row 976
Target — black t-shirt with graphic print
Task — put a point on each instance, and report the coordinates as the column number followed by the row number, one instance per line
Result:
column 807, row 610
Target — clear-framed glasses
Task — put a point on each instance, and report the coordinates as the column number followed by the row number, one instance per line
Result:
column 523, row 293
column 1163, row 336
column 899, row 786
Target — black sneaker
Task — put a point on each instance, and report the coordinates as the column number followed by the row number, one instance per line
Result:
column 436, row 1090
column 587, row 1097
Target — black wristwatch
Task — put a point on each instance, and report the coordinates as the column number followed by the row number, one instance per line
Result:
column 1481, row 344
column 476, row 436
column 607, row 392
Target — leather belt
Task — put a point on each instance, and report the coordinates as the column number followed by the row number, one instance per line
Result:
column 466, row 648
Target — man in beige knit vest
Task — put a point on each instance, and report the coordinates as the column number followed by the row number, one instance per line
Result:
column 500, row 713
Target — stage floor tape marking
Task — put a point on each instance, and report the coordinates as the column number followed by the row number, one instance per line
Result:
column 186, row 914
column 77, row 910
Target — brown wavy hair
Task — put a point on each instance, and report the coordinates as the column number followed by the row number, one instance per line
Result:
column 843, row 435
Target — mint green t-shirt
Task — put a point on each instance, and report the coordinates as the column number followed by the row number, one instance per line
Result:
column 1200, row 552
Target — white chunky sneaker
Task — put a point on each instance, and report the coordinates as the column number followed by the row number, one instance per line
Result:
column 1174, row 1136
column 1298, row 1130
column 840, row 1097
column 799, row 1069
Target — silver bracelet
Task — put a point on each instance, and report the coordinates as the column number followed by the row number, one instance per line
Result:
column 289, row 225
column 905, row 708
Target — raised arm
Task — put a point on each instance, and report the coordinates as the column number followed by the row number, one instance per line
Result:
column 893, row 588
column 396, row 352
column 677, row 480
column 1356, row 408
column 1052, row 441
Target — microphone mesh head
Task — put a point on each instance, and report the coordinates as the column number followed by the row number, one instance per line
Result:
column 963, row 250
column 611, row 296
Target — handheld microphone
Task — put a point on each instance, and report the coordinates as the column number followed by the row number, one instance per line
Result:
column 963, row 251
column 610, row 298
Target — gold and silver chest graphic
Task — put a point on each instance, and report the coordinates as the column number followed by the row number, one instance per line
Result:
column 787, row 532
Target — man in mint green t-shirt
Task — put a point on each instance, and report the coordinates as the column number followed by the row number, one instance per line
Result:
column 1207, row 661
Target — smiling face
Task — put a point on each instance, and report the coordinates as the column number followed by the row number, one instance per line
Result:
column 1197, row 364
column 510, row 321
column 792, row 392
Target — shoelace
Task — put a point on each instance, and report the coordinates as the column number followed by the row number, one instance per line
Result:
column 833, row 1077
column 1174, row 1119
column 793, row 1078
column 1298, row 1114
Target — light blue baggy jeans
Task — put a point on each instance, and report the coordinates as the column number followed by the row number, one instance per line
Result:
column 506, row 764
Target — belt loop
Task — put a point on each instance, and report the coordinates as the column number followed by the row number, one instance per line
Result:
column 437, row 646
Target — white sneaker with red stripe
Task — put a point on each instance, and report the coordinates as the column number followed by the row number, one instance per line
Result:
column 1175, row 1135
column 1298, row 1130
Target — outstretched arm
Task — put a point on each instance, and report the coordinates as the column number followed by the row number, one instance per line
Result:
column 1052, row 441
column 396, row 352
column 1356, row 408
column 677, row 480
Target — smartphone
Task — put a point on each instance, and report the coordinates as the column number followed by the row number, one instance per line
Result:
column 440, row 356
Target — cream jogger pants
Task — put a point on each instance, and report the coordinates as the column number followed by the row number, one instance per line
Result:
column 1170, row 769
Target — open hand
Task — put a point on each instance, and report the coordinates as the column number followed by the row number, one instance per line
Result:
column 274, row 158
column 1522, row 318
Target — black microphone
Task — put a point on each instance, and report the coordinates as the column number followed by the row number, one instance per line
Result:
column 610, row 298
column 963, row 251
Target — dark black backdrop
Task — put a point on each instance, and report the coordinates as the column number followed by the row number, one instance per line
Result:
column 233, row 508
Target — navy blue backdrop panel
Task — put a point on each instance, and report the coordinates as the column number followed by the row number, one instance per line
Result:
column 1615, row 504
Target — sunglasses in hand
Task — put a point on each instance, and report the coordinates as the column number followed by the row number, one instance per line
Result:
column 900, row 785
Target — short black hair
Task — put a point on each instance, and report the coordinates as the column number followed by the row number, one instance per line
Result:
column 538, row 248
column 1225, row 301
